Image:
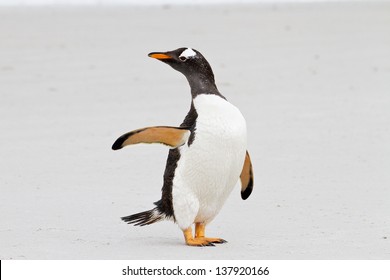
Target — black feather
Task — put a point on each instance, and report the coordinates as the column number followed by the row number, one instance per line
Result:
column 144, row 218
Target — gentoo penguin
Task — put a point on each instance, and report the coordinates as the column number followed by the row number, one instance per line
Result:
column 208, row 153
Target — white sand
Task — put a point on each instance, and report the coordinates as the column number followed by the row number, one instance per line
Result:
column 312, row 80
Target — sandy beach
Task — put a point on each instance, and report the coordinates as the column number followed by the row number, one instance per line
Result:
column 312, row 80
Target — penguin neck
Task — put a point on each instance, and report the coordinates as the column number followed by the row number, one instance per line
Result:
column 200, row 84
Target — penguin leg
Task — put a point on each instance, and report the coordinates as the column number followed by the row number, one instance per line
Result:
column 200, row 234
column 191, row 241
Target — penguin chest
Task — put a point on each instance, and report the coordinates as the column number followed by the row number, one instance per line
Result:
column 210, row 167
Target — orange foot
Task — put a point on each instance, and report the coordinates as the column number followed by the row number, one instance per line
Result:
column 198, row 242
column 200, row 232
column 200, row 239
column 212, row 240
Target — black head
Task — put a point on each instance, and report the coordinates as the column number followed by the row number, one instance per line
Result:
column 193, row 65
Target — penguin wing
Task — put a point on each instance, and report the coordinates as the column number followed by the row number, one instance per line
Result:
column 246, row 178
column 167, row 135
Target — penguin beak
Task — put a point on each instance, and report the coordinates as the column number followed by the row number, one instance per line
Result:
column 159, row 56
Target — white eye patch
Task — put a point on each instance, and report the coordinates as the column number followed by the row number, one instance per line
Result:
column 187, row 53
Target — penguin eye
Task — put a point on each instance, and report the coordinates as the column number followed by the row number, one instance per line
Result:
column 182, row 58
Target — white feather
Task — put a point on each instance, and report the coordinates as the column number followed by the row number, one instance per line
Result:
column 209, row 168
column 188, row 53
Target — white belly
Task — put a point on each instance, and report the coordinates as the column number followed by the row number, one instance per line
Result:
column 209, row 169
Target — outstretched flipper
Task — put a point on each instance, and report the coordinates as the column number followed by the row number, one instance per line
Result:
column 246, row 178
column 167, row 135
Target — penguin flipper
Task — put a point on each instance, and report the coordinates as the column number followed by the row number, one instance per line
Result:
column 167, row 135
column 246, row 178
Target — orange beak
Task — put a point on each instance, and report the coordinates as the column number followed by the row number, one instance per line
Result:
column 159, row 55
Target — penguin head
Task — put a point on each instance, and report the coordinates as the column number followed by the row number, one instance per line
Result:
column 188, row 61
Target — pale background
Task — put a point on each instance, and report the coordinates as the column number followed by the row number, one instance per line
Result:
column 312, row 80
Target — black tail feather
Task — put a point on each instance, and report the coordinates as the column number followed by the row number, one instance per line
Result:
column 145, row 218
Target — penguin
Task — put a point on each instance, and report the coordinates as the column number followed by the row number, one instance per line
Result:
column 207, row 157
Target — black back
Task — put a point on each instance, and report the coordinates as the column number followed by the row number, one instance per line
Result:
column 165, row 205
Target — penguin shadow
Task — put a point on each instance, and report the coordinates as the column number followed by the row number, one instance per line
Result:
column 152, row 243
column 172, row 242
column 167, row 242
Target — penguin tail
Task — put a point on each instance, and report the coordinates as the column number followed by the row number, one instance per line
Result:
column 145, row 218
